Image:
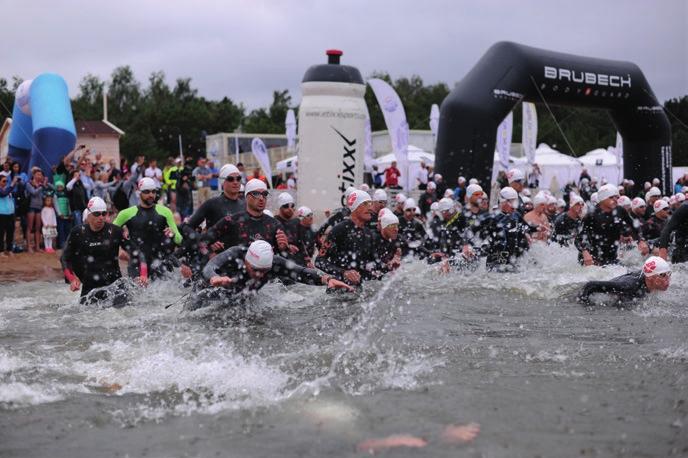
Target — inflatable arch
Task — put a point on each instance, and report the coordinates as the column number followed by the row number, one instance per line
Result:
column 509, row 73
column 43, row 128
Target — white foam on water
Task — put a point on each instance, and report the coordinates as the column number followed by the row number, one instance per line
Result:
column 17, row 394
column 9, row 363
column 677, row 353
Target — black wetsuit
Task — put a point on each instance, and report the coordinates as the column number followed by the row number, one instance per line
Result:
column 476, row 225
column 242, row 229
column 411, row 232
column 678, row 225
column 600, row 234
column 424, row 202
column 93, row 256
column 449, row 236
column 305, row 237
column 506, row 239
column 230, row 263
column 213, row 210
column 291, row 229
column 146, row 228
column 335, row 218
column 652, row 230
column 348, row 248
column 566, row 229
column 626, row 287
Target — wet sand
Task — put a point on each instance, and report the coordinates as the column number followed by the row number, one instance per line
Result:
column 30, row 267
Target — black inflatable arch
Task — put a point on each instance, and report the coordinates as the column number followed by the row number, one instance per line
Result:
column 510, row 72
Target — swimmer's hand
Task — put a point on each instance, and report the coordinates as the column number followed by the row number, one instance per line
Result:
column 282, row 241
column 168, row 233
column 75, row 285
column 399, row 440
column 445, row 268
column 186, row 271
column 663, row 253
column 468, row 252
column 460, row 434
column 337, row 284
column 352, row 276
column 142, row 281
column 587, row 258
column 293, row 249
column 220, row 281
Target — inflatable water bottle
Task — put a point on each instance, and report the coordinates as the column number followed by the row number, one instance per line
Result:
column 43, row 129
column 332, row 119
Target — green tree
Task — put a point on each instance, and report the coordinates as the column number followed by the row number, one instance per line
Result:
column 270, row 120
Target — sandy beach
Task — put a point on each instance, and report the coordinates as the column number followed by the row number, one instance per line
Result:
column 31, row 266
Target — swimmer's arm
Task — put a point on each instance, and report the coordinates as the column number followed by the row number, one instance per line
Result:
column 125, row 215
column 679, row 216
column 169, row 218
column 212, row 268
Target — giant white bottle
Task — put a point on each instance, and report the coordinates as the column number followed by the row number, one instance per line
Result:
column 332, row 120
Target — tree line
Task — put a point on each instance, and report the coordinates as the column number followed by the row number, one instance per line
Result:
column 153, row 116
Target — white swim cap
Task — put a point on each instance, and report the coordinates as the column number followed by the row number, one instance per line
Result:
column 540, row 199
column 680, row 197
column 655, row 182
column 607, row 191
column 409, row 204
column 387, row 218
column 594, row 199
column 637, row 203
column 448, row 193
column 364, row 187
column 400, row 198
column 348, row 192
column 461, row 180
column 434, row 206
column 445, row 204
column 147, row 184
column 380, row 195
column 660, row 205
column 473, row 181
column 472, row 189
column 356, row 198
column 508, row 193
column 96, row 204
column 526, row 192
column 515, row 175
column 269, row 213
column 304, row 212
column 284, row 199
column 259, row 254
column 655, row 266
column 227, row 170
column 254, row 184
column 653, row 192
column 526, row 200
column 624, row 201
column 575, row 199
column 432, row 185
column 561, row 203
column 551, row 200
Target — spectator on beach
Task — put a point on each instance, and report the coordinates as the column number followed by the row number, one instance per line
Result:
column 242, row 170
column 392, row 175
column 422, row 176
column 49, row 224
column 202, row 175
column 214, row 173
column 64, row 214
column 154, row 172
column 6, row 213
column 35, row 188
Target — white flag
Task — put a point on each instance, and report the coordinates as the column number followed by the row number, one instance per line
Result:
column 529, row 132
column 504, row 132
column 290, row 125
column 434, row 121
column 395, row 119
column 261, row 153
column 368, row 150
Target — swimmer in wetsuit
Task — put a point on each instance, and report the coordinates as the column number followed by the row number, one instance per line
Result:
column 252, row 224
column 90, row 256
column 567, row 225
column 603, row 230
column 153, row 232
column 678, row 225
column 241, row 270
column 348, row 250
column 506, row 233
column 655, row 276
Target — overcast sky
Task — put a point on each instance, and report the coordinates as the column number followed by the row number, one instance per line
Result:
column 247, row 49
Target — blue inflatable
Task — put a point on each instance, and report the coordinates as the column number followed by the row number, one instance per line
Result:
column 43, row 128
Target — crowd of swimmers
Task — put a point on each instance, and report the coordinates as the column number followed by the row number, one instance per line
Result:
column 232, row 245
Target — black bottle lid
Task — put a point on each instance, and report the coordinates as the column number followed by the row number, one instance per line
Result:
column 332, row 71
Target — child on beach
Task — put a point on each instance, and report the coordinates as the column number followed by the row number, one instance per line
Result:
column 49, row 220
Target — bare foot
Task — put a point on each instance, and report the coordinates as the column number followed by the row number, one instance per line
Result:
column 460, row 434
column 398, row 440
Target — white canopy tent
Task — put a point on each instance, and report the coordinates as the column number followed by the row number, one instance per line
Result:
column 415, row 157
column 287, row 165
column 557, row 168
column 602, row 163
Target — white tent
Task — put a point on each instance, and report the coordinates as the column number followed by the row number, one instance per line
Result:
column 415, row 157
column 556, row 165
column 514, row 162
column 287, row 165
column 602, row 163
